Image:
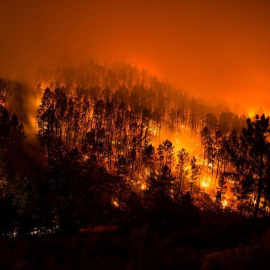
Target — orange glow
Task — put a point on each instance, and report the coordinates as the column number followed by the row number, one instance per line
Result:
column 215, row 49
column 115, row 203
column 225, row 203
column 219, row 51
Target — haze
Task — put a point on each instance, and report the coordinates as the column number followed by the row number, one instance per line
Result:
column 214, row 49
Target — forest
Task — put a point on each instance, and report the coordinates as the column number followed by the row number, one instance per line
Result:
column 116, row 151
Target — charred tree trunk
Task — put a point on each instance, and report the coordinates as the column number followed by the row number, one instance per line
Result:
column 260, row 188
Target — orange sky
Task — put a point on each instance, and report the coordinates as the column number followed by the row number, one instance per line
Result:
column 216, row 49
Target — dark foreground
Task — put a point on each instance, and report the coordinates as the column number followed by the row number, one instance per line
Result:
column 232, row 243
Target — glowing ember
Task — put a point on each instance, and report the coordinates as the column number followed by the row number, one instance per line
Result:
column 115, row 203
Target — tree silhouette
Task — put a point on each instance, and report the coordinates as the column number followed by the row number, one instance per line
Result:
column 222, row 188
column 195, row 172
column 182, row 171
column 250, row 154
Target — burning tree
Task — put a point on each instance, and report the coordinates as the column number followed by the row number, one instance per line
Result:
column 195, row 172
column 222, row 188
column 181, row 170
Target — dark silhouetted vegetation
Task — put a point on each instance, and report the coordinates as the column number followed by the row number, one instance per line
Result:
column 111, row 187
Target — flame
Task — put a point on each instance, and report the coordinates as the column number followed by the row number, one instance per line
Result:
column 115, row 203
column 224, row 203
column 204, row 184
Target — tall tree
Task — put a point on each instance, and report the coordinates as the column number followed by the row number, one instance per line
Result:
column 250, row 153
column 222, row 188
column 181, row 169
column 195, row 172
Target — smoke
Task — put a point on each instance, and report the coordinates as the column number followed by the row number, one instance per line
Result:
column 23, row 102
column 213, row 49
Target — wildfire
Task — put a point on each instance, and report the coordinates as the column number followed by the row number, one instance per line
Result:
column 180, row 134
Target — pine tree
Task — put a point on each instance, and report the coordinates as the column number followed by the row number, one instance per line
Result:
column 222, row 188
column 195, row 172
column 250, row 153
column 182, row 171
